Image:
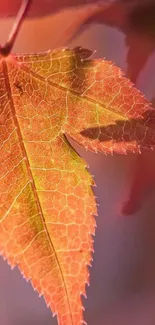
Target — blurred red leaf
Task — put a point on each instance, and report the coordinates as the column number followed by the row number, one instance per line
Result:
column 136, row 19
column 44, row 7
column 143, row 181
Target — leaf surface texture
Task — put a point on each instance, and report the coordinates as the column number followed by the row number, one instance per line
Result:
column 47, row 205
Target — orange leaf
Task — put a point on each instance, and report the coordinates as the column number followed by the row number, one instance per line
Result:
column 46, row 201
column 143, row 181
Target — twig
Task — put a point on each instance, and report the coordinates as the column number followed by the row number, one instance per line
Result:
column 23, row 10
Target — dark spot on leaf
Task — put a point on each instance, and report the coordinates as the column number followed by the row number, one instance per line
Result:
column 19, row 87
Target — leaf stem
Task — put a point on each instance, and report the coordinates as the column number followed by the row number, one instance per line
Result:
column 23, row 10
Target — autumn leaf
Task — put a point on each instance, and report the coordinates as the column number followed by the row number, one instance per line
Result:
column 47, row 205
column 45, row 196
column 136, row 21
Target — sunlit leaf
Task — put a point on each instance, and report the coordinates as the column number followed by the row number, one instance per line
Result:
column 46, row 200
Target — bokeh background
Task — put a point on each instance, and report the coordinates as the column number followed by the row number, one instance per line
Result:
column 122, row 290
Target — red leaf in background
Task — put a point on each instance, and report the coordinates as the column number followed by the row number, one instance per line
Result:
column 44, row 7
column 143, row 181
column 136, row 19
